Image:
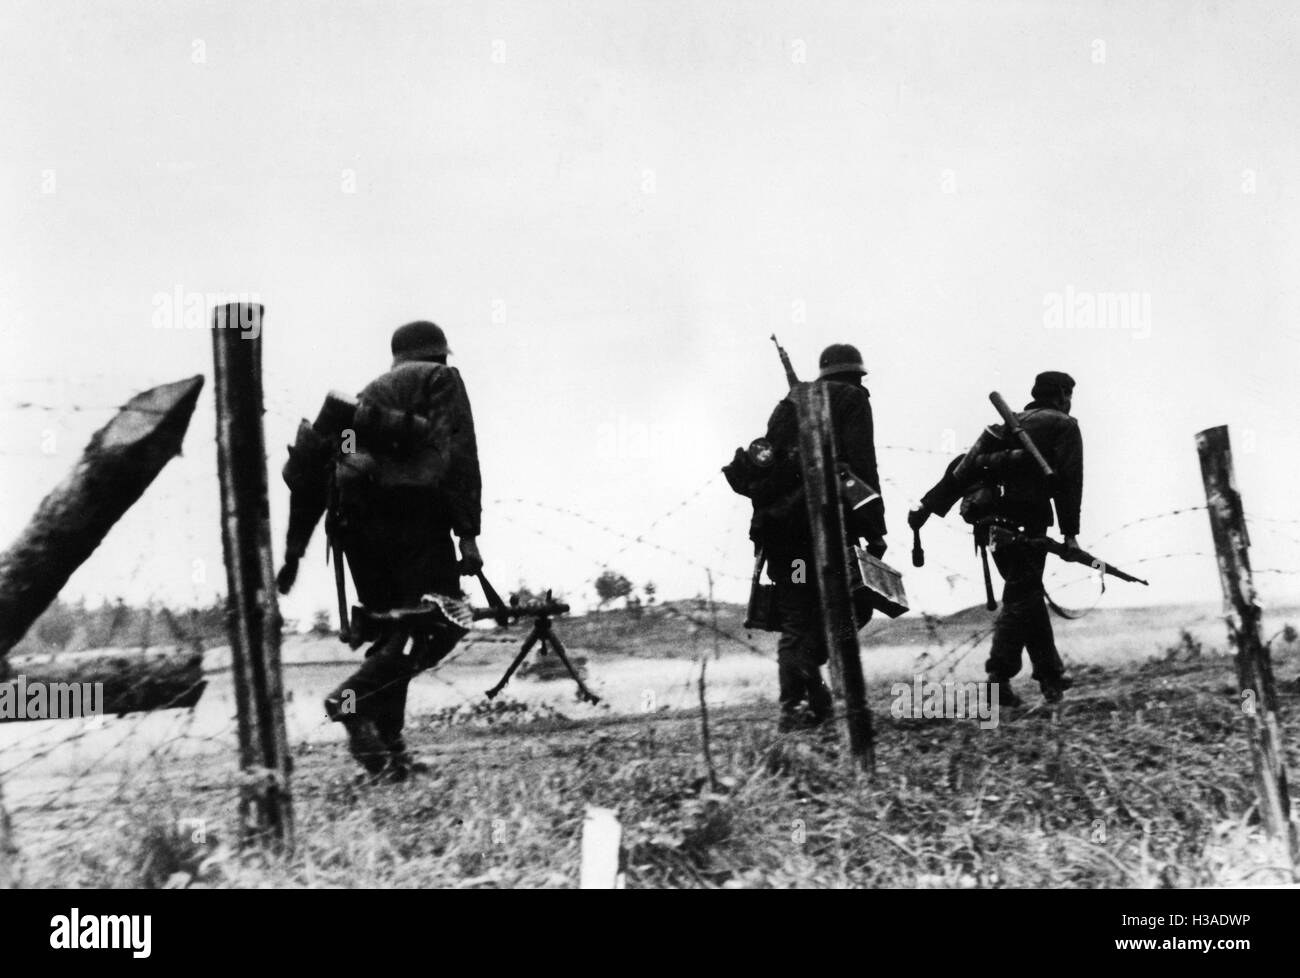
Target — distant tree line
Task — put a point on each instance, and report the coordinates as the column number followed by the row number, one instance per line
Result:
column 611, row 585
column 74, row 626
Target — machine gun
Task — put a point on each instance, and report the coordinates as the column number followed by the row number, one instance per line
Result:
column 450, row 619
column 541, row 634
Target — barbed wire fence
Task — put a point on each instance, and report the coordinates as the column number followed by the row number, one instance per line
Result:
column 146, row 594
column 70, row 783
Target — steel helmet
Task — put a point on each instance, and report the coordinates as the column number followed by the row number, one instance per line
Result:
column 420, row 340
column 840, row 358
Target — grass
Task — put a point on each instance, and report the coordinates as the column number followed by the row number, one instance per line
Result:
column 1141, row 780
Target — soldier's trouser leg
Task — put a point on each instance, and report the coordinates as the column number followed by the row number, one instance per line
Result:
column 390, row 706
column 1018, row 596
column 397, row 552
column 425, row 653
column 376, row 691
column 802, row 650
column 1040, row 641
column 1023, row 623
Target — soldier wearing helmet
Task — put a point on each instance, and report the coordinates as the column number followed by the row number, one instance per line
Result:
column 397, row 492
column 780, row 527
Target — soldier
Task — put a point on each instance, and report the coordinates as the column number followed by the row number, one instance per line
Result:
column 780, row 528
column 404, row 479
column 1008, row 499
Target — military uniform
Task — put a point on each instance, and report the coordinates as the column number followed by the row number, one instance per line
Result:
column 1024, row 506
column 410, row 481
column 780, row 527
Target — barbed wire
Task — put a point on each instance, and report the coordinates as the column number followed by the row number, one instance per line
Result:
column 916, row 451
column 1151, row 519
column 1271, row 519
column 61, row 408
column 178, row 737
column 605, row 528
column 672, row 511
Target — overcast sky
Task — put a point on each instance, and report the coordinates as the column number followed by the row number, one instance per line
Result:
column 610, row 206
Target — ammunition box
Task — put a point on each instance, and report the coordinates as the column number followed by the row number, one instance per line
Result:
column 882, row 585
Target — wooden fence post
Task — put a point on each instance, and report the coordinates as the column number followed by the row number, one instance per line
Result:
column 831, row 567
column 252, row 610
column 602, row 840
column 1254, row 664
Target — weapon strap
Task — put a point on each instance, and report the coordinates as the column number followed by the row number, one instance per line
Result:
column 1072, row 615
column 1063, row 612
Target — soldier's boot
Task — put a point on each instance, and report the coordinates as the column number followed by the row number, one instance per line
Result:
column 1054, row 689
column 364, row 742
column 820, row 701
column 792, row 696
column 365, row 745
column 794, row 718
column 402, row 765
column 1006, row 695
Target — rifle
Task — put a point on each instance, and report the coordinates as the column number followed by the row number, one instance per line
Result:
column 1074, row 555
column 790, row 375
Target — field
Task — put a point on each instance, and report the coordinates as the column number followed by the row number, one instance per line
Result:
column 1141, row 779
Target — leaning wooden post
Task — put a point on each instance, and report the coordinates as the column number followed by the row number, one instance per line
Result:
column 830, row 560
column 1254, row 665
column 252, row 611
column 114, row 470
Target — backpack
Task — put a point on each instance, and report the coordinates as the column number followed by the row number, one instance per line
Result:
column 996, row 457
column 410, row 425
